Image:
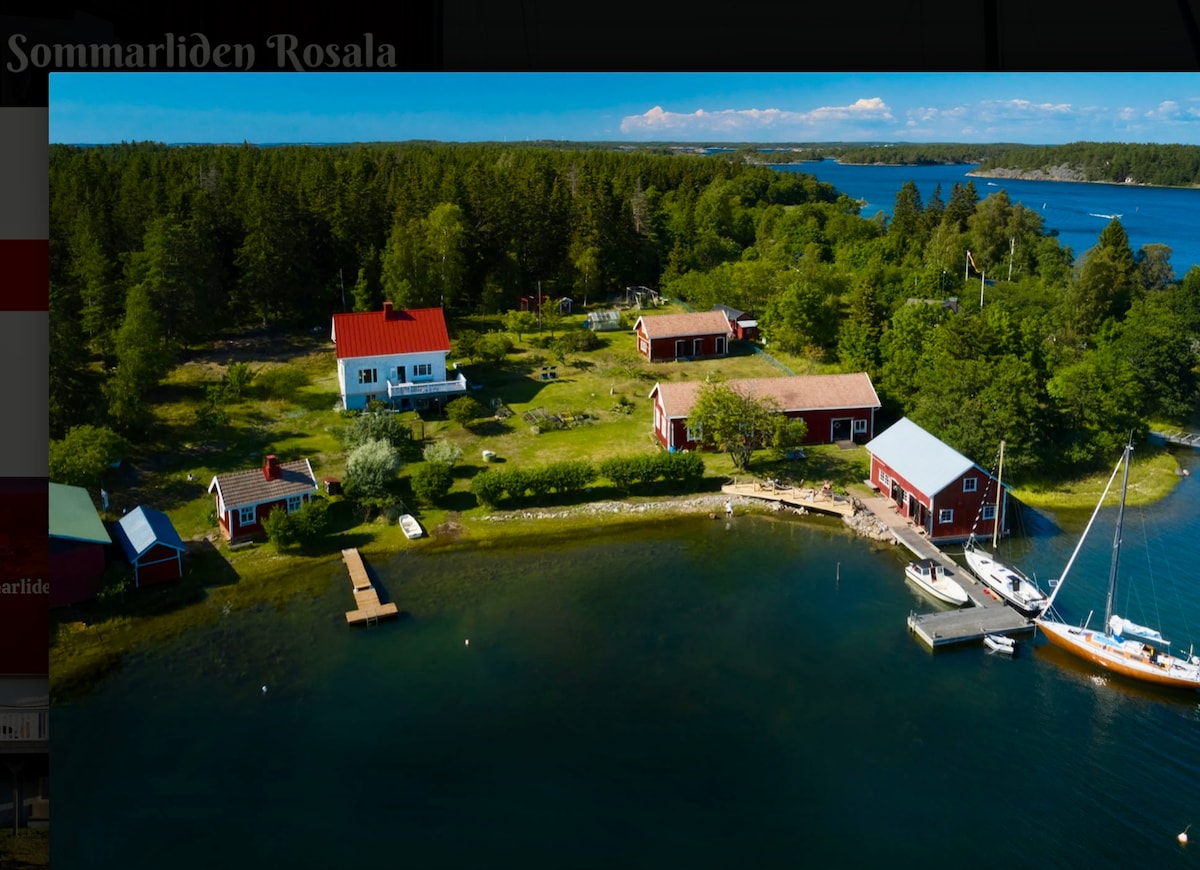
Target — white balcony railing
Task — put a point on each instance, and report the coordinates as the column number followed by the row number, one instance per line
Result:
column 24, row 725
column 427, row 388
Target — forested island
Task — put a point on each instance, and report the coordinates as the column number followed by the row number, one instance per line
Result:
column 156, row 249
column 1107, row 162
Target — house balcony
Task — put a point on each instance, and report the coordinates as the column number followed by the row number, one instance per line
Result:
column 414, row 389
column 25, row 730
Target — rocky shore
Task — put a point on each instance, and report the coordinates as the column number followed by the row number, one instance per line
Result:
column 862, row 523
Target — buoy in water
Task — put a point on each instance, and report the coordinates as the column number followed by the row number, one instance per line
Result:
column 1182, row 838
column 264, row 690
column 467, row 642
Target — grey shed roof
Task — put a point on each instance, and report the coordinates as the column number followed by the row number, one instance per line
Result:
column 923, row 460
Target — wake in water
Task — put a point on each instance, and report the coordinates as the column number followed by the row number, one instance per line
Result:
column 1105, row 216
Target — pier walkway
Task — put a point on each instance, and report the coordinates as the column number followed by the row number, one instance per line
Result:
column 986, row 614
column 369, row 609
column 1179, row 438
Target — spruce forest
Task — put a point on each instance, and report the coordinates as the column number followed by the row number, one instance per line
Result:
column 155, row 249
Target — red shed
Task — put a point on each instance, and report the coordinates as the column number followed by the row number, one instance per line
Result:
column 745, row 327
column 933, row 484
column 835, row 407
column 151, row 544
column 244, row 498
column 673, row 337
column 77, row 542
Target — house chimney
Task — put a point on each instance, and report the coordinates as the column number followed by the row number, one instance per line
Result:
column 271, row 468
column 387, row 311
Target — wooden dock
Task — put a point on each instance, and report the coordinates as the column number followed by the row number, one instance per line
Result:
column 809, row 498
column 1179, row 438
column 986, row 614
column 369, row 609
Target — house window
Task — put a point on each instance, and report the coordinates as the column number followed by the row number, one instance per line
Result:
column 860, row 426
column 367, row 376
column 885, row 482
column 697, row 347
column 246, row 516
column 945, row 516
column 989, row 512
column 423, row 370
column 294, row 502
column 969, row 484
column 694, row 432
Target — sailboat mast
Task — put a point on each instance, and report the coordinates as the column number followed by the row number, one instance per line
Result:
column 999, row 496
column 1116, row 555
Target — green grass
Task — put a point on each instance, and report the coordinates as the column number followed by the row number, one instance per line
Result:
column 30, row 848
column 1153, row 473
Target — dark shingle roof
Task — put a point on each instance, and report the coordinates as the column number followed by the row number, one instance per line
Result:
column 250, row 487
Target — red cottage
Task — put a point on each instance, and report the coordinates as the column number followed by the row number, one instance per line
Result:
column 935, row 486
column 244, row 498
column 77, row 546
column 674, row 337
column 835, row 407
column 745, row 327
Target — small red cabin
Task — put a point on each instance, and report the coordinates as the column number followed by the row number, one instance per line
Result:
column 675, row 337
column 244, row 498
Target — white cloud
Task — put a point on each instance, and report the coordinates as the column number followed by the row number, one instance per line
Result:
column 747, row 123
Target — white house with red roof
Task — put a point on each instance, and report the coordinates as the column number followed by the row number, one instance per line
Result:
column 397, row 356
column 838, row 407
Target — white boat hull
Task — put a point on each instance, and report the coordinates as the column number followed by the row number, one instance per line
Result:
column 410, row 526
column 933, row 579
column 1010, row 584
column 1000, row 644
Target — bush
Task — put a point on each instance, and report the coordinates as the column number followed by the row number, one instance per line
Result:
column 370, row 468
column 279, row 382
column 84, row 454
column 493, row 347
column 431, row 481
column 464, row 410
column 578, row 341
column 443, row 453
column 488, row 487
column 306, row 524
column 376, row 426
column 237, row 378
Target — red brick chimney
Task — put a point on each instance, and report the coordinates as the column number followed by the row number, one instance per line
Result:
column 271, row 468
column 387, row 311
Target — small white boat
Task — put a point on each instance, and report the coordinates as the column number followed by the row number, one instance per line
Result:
column 1006, row 581
column 411, row 528
column 936, row 580
column 999, row 643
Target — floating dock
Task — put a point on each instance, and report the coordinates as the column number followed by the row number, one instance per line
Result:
column 1179, row 438
column 369, row 609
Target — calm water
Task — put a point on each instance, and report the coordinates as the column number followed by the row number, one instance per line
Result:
column 694, row 694
column 1150, row 215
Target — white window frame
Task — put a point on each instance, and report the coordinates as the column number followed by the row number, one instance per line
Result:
column 422, row 370
column 945, row 516
column 294, row 503
column 885, row 482
column 368, row 376
column 693, row 435
column 246, row 515
column 988, row 513
column 970, row 484
column 860, row 426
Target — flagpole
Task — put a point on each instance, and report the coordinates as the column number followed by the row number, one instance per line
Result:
column 967, row 267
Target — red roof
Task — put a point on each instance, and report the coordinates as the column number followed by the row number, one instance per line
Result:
column 388, row 332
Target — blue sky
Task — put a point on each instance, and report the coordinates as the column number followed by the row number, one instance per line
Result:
column 1035, row 108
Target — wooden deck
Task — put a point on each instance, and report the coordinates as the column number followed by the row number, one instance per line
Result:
column 809, row 498
column 366, row 597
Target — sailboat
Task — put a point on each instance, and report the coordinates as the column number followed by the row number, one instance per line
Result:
column 1121, row 646
column 1007, row 582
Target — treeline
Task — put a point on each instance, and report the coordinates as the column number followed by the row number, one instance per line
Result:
column 155, row 248
column 1118, row 162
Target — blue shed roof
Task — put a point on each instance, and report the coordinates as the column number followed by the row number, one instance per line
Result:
column 142, row 528
column 926, row 462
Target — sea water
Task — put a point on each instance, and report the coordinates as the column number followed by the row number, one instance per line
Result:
column 692, row 693
column 1077, row 211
